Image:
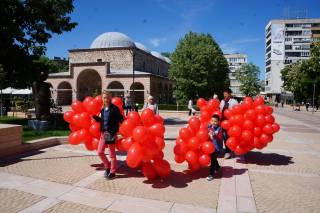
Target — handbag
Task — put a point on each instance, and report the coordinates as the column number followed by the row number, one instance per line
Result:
column 108, row 138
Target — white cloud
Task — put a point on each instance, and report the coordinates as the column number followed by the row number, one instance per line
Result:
column 157, row 41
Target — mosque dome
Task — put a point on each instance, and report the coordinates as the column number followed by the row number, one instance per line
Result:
column 141, row 47
column 112, row 39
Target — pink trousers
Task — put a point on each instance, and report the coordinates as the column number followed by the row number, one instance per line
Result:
column 112, row 155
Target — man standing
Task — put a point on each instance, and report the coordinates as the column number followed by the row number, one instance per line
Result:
column 227, row 103
column 190, row 106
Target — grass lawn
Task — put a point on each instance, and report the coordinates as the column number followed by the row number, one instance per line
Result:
column 28, row 134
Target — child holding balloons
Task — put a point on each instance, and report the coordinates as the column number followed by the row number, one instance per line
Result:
column 216, row 136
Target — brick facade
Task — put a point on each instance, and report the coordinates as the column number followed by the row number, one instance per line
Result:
column 89, row 72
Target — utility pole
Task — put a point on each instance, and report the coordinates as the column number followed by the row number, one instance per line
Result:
column 314, row 91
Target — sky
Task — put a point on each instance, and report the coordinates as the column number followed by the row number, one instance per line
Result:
column 236, row 25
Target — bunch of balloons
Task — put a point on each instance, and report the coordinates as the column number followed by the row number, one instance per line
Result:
column 250, row 125
column 84, row 129
column 143, row 140
column 193, row 143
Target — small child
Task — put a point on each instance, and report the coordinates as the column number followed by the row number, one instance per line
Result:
column 216, row 136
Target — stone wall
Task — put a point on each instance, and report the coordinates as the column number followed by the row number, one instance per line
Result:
column 120, row 59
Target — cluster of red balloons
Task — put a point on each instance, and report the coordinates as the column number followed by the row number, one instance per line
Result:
column 84, row 129
column 193, row 143
column 143, row 140
column 250, row 125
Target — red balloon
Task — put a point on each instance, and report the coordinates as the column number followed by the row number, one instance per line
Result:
column 234, row 131
column 74, row 127
column 191, row 157
column 119, row 143
column 203, row 135
column 240, row 151
column 99, row 101
column 158, row 156
column 260, row 120
column 194, row 123
column 250, row 115
column 134, row 155
column 140, row 134
column 117, row 101
column 127, row 143
column 232, row 143
column 248, row 125
column 205, row 116
column 185, row 134
column 227, row 113
column 157, row 129
column 268, row 110
column 258, row 101
column 248, row 99
column 149, row 171
column 158, row 119
column 84, row 136
column 275, row 127
column 92, row 107
column 84, row 120
column 237, row 110
column 147, row 117
column 213, row 104
column 162, row 168
column 269, row 119
column 194, row 166
column 204, row 160
column 180, row 149
column 87, row 100
column 95, row 143
column 193, row 143
column 77, row 107
column 268, row 129
column 179, row 158
column 135, row 117
column 89, row 146
column 73, row 138
column 257, row 131
column 201, row 102
column 247, row 136
column 238, row 120
column 257, row 143
column 226, row 124
column 259, row 109
column 127, row 127
column 160, row 142
column 68, row 116
column 264, row 138
column 207, row 147
column 179, row 140
column 95, row 130
column 151, row 148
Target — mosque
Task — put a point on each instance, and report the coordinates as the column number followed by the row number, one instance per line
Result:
column 115, row 63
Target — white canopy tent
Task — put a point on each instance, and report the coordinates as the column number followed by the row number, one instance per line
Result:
column 13, row 91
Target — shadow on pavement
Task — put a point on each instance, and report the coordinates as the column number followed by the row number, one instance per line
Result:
column 174, row 121
column 178, row 179
column 267, row 159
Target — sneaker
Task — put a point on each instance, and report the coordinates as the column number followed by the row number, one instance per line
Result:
column 210, row 178
column 106, row 173
column 111, row 176
column 227, row 155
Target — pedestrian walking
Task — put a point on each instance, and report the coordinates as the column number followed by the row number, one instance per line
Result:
column 150, row 104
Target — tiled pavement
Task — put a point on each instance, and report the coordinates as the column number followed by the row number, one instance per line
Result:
column 284, row 177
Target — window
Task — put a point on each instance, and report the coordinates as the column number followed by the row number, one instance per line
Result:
column 268, row 69
column 305, row 54
column 288, row 39
column 288, row 47
column 99, row 60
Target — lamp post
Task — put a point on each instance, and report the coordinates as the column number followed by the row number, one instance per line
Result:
column 314, row 91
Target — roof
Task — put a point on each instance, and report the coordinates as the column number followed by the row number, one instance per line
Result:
column 112, row 39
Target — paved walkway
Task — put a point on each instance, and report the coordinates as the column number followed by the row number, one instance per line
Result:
column 284, row 177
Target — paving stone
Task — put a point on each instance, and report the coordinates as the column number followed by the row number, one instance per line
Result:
column 41, row 206
column 181, row 208
column 12, row 200
column 70, row 207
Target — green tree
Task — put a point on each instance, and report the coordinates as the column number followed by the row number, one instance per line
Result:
column 198, row 67
column 248, row 76
column 301, row 77
column 166, row 54
column 26, row 26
